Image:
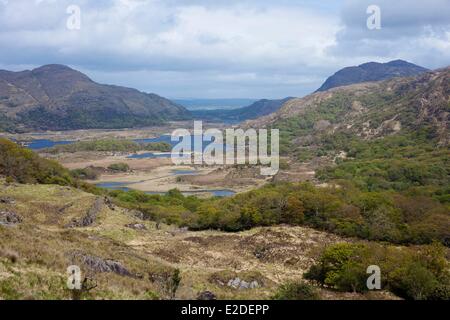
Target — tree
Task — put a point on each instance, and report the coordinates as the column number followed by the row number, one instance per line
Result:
column 293, row 212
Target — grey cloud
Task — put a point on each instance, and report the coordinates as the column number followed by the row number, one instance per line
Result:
column 414, row 30
column 249, row 48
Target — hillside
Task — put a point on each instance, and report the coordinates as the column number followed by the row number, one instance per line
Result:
column 131, row 258
column 56, row 97
column 390, row 135
column 257, row 109
column 370, row 110
column 371, row 71
column 131, row 245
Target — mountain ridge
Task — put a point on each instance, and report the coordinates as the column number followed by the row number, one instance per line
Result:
column 372, row 109
column 57, row 97
column 371, row 71
column 257, row 109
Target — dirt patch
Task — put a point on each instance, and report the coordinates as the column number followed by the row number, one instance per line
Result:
column 212, row 241
column 168, row 255
column 290, row 249
column 230, row 177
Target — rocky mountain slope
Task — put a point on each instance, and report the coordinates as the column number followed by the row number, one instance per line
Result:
column 56, row 97
column 370, row 110
column 371, row 71
column 389, row 135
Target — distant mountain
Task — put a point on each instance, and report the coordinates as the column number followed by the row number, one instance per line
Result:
column 257, row 109
column 56, row 97
column 212, row 104
column 371, row 71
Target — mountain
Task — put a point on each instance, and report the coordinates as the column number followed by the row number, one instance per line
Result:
column 56, row 97
column 371, row 71
column 257, row 109
column 371, row 110
column 391, row 134
column 213, row 104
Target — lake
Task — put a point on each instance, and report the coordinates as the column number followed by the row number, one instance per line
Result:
column 122, row 186
column 149, row 155
column 178, row 172
column 215, row 193
column 114, row 186
column 45, row 143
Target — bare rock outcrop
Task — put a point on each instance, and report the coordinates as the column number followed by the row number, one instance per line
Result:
column 9, row 218
column 206, row 295
column 97, row 264
column 136, row 226
column 90, row 216
column 7, row 200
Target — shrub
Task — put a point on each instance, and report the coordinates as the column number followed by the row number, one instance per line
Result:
column 296, row 291
column 414, row 281
column 410, row 273
column 121, row 167
column 88, row 173
column 25, row 166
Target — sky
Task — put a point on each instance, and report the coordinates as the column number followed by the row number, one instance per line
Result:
column 220, row 48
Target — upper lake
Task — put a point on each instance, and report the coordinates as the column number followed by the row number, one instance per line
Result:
column 45, row 143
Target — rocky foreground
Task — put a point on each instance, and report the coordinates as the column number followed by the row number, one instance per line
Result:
column 46, row 228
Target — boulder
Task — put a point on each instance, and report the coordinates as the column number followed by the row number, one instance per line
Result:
column 9, row 218
column 7, row 200
column 136, row 226
column 90, row 216
column 98, row 264
column 237, row 283
column 206, row 295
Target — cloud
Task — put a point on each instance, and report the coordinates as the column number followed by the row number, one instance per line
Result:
column 221, row 48
column 413, row 30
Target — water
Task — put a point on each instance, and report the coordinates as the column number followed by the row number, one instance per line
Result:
column 177, row 172
column 113, row 186
column 215, row 193
column 163, row 138
column 149, row 155
column 44, row 143
column 121, row 186
column 167, row 138
column 223, row 193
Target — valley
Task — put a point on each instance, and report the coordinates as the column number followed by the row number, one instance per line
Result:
column 149, row 171
column 363, row 180
column 263, row 154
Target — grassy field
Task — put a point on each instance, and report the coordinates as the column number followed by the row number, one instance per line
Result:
column 35, row 253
